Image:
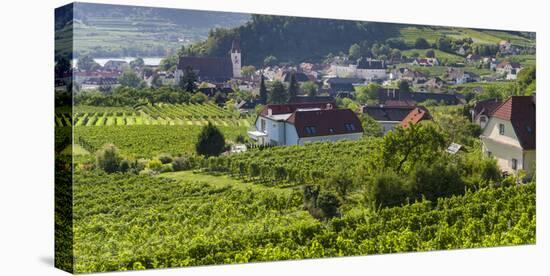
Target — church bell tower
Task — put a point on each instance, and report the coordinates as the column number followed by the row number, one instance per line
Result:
column 236, row 58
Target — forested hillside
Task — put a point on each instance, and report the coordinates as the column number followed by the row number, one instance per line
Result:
column 293, row 39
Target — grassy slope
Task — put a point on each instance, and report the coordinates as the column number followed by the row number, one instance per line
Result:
column 411, row 33
column 443, row 56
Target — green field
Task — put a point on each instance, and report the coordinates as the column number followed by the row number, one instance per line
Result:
column 432, row 33
column 180, row 219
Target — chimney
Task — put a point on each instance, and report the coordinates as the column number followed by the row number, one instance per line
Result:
column 329, row 106
column 269, row 112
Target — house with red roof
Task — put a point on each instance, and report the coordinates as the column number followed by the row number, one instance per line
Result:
column 302, row 123
column 482, row 110
column 510, row 135
column 392, row 116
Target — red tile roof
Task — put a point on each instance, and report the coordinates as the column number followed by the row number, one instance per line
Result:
column 415, row 116
column 486, row 107
column 520, row 111
column 325, row 122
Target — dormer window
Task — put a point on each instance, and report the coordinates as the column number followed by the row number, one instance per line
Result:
column 310, row 130
column 501, row 129
column 349, row 127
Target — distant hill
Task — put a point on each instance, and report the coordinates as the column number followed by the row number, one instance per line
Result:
column 294, row 39
column 297, row 39
column 115, row 30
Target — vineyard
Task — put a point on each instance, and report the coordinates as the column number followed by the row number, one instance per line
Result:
column 160, row 114
column 293, row 164
column 135, row 222
column 147, row 140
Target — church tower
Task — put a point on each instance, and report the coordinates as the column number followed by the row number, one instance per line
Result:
column 236, row 58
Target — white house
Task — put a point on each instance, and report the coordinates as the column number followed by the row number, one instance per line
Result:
column 509, row 69
column 302, row 123
column 482, row 110
column 368, row 69
column 510, row 135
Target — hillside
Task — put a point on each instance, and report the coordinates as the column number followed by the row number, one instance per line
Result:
column 116, row 31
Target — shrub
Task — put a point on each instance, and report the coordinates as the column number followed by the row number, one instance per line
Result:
column 165, row 158
column 240, row 139
column 328, row 203
column 166, row 168
column 210, row 141
column 107, row 158
column 436, row 180
column 124, row 165
column 154, row 165
column 386, row 190
column 182, row 163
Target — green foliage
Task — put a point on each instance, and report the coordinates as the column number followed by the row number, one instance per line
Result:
column 182, row 163
column 156, row 222
column 87, row 63
column 366, row 93
column 130, row 79
column 199, row 98
column 328, row 204
column 147, row 140
column 108, row 159
column 403, row 148
column 404, row 86
column 293, row 86
column 421, row 43
column 527, row 81
column 188, row 80
column 434, row 180
column 294, row 39
column 354, row 51
column 309, row 88
column 386, row 189
column 210, row 142
column 263, row 91
column 278, row 93
column 370, row 126
column 165, row 158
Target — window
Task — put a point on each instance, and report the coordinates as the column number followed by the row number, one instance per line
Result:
column 501, row 129
column 483, row 119
column 262, row 125
column 514, row 164
column 310, row 130
column 349, row 127
column 489, row 154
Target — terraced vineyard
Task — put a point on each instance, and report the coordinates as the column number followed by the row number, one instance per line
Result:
column 291, row 165
column 135, row 222
column 161, row 114
column 147, row 140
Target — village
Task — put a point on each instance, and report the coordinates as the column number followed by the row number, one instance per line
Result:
column 326, row 103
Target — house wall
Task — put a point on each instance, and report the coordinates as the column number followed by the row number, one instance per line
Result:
column 492, row 132
column 291, row 134
column 388, row 125
column 331, row 138
column 274, row 130
column 504, row 153
column 505, row 147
